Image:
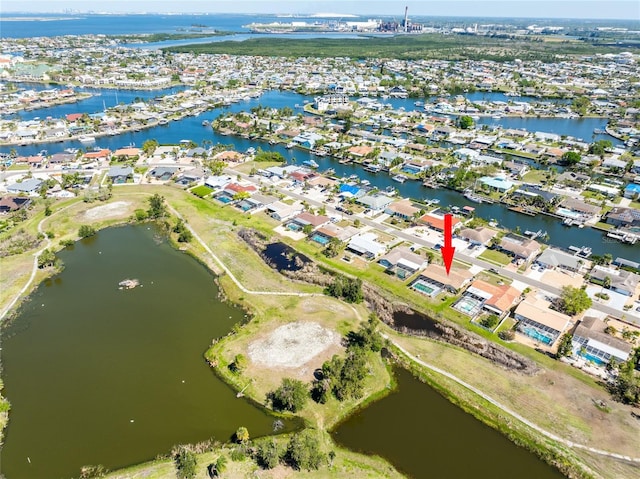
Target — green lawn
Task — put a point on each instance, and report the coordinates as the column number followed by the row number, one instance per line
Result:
column 496, row 257
column 201, row 191
column 536, row 176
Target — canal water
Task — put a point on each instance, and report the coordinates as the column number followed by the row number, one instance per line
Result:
column 425, row 436
column 191, row 128
column 99, row 375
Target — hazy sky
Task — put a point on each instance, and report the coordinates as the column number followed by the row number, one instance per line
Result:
column 623, row 9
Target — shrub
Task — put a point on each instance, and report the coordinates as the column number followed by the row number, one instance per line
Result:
column 140, row 215
column 303, row 451
column 268, row 453
column 290, row 396
column 242, row 435
column 85, row 231
column 186, row 463
column 46, row 258
column 507, row 335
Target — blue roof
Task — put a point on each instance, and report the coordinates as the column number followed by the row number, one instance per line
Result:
column 633, row 187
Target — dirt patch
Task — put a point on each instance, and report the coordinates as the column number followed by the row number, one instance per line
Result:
column 292, row 345
column 108, row 211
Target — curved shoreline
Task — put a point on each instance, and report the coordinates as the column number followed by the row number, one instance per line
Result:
column 244, row 289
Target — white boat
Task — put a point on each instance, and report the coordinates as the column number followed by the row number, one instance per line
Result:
column 86, row 139
column 311, row 163
column 471, row 196
column 205, row 122
column 399, row 178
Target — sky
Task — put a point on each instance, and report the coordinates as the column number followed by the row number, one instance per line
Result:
column 604, row 9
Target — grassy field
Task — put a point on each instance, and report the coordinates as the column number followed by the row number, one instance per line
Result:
column 536, row 176
column 559, row 399
column 404, row 47
column 345, row 464
column 496, row 257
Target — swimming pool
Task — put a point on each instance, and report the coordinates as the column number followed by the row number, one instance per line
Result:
column 594, row 359
column 569, row 213
column 323, row 240
column 224, row 199
column 468, row 306
column 537, row 335
column 428, row 289
column 294, row 226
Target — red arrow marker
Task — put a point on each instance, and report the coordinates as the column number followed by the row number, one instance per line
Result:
column 447, row 250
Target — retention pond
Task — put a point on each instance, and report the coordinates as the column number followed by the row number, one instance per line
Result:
column 101, row 375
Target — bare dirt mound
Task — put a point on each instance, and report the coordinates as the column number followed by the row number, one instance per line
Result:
column 292, row 345
column 110, row 210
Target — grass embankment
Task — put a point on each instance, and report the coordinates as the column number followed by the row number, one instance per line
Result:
column 346, row 464
column 561, row 403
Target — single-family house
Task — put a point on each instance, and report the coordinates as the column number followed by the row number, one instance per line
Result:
column 477, row 236
column 193, row 175
column 403, row 208
column 577, row 209
column 482, row 296
column 554, row 258
column 520, row 247
column 591, row 342
column 163, row 173
column 330, row 231
column 13, row 203
column 436, row 221
column 306, row 219
column 376, row 202
column 436, row 275
column 119, row 174
column 30, row 186
column 538, row 321
column 403, row 262
column 623, row 217
column 496, row 183
column 621, row 281
column 366, row 245
column 282, row 211
column 632, row 191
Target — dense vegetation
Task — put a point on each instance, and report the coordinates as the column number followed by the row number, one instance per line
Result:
column 404, row 47
column 349, row 289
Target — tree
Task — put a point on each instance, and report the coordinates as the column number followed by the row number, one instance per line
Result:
column 565, row 345
column 490, row 321
column 85, row 231
column 466, row 122
column 185, row 461
column 268, row 453
column 157, row 208
column 149, row 147
column 571, row 158
column 242, row 435
column 574, row 300
column 599, row 147
column 239, row 363
column 304, row 451
column 290, row 396
column 46, row 258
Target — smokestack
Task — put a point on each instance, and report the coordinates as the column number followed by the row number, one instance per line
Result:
column 406, row 19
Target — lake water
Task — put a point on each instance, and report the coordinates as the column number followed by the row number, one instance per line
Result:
column 425, row 436
column 98, row 375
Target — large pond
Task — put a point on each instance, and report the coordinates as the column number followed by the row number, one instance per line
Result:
column 424, row 435
column 99, row 375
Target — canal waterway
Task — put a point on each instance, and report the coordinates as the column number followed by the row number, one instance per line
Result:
column 424, row 435
column 191, row 128
column 99, row 375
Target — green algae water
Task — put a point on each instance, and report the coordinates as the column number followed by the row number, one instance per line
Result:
column 100, row 375
column 425, row 436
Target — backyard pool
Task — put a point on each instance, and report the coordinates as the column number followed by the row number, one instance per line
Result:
column 425, row 288
column 323, row 240
column 569, row 213
column 537, row 335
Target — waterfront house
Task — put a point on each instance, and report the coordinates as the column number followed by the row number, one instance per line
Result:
column 481, row 296
column 530, row 191
column 13, row 203
column 367, row 245
column 520, row 247
column 30, row 186
column 554, row 258
column 120, row 174
column 623, row 217
column 123, row 154
column 632, row 191
column 102, row 154
column 478, row 236
column 453, row 282
column 403, row 209
column 436, row 221
column 538, row 321
column 577, row 209
column 375, row 202
column 621, row 281
column 307, row 140
column 592, row 342
column 496, row 183
column 403, row 262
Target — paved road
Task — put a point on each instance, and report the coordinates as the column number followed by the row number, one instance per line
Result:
column 533, row 283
